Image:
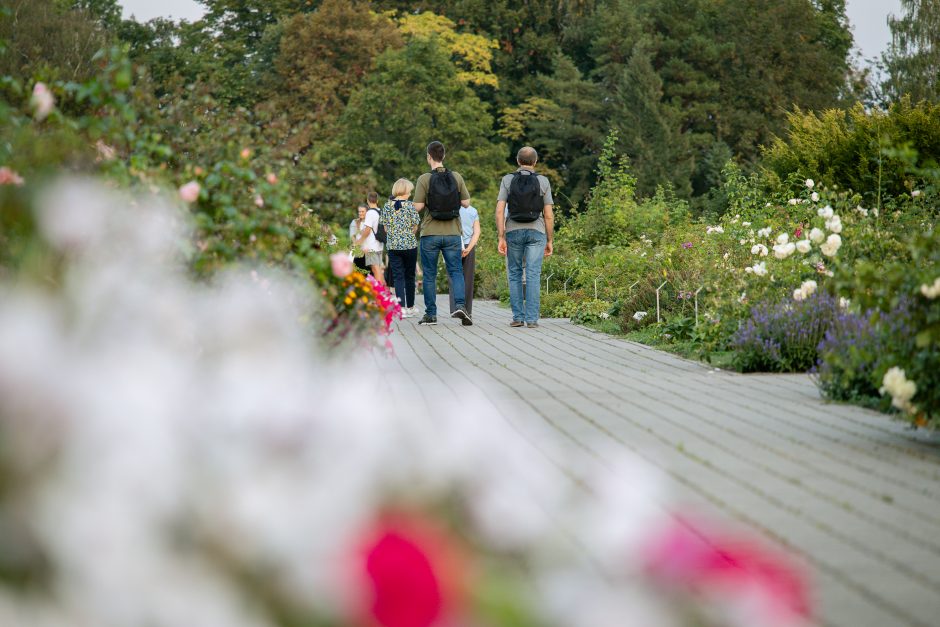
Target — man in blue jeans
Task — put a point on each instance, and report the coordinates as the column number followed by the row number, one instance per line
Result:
column 439, row 195
column 525, row 223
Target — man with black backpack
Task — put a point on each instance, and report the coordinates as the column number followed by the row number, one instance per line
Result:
column 439, row 195
column 525, row 223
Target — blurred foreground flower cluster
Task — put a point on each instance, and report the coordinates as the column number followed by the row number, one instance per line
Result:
column 179, row 454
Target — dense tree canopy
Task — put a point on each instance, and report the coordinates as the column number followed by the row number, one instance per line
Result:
column 686, row 84
column 913, row 60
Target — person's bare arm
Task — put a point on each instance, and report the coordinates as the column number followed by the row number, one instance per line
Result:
column 419, row 206
column 366, row 232
column 473, row 238
column 465, row 203
column 501, row 226
column 549, row 214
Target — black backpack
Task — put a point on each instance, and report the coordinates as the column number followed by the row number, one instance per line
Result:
column 525, row 198
column 443, row 196
column 381, row 235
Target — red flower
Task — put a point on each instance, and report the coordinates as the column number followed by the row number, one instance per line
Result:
column 414, row 575
column 766, row 588
column 798, row 232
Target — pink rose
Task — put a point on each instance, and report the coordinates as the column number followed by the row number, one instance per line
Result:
column 190, row 192
column 342, row 265
column 42, row 101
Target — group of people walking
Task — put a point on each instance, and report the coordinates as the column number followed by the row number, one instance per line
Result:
column 441, row 222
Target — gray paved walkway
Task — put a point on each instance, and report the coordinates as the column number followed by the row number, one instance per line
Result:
column 853, row 493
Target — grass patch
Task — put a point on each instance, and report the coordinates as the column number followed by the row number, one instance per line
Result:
column 652, row 335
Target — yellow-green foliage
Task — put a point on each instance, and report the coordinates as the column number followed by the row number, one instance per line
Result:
column 851, row 149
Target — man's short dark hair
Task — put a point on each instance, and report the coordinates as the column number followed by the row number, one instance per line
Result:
column 527, row 156
column 372, row 197
column 436, row 151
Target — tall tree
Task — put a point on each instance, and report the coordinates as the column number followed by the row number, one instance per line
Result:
column 912, row 63
column 649, row 128
column 325, row 54
column 567, row 128
column 413, row 96
column 47, row 39
column 228, row 42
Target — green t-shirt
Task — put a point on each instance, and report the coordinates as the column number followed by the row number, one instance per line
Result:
column 430, row 226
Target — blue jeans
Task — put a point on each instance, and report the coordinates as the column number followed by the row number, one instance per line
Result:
column 449, row 246
column 526, row 245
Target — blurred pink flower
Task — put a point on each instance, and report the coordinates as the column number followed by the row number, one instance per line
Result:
column 190, row 192
column 342, row 265
column 259, row 201
column 414, row 575
column 245, row 153
column 42, row 101
column 9, row 177
column 760, row 586
column 271, row 178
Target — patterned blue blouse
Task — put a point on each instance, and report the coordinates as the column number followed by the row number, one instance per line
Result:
column 400, row 217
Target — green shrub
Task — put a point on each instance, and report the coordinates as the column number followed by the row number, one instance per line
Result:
column 846, row 150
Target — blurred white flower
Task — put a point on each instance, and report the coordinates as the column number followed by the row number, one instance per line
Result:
column 794, row 201
column 817, row 236
column 765, row 232
column 810, row 184
column 916, row 193
column 760, row 269
column 798, row 294
column 782, row 251
column 814, row 197
column 759, row 249
column 714, row 229
column 931, row 291
column 783, row 238
column 639, row 315
column 42, row 101
column 825, row 212
column 831, row 245
column 745, row 224
column 902, row 390
column 804, row 246
column 834, row 224
column 844, row 302
column 861, row 210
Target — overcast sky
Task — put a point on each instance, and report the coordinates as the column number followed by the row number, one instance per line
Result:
column 868, row 18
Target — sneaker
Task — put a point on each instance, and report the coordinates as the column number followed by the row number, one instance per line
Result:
column 406, row 313
column 532, row 325
column 428, row 320
column 517, row 323
column 465, row 318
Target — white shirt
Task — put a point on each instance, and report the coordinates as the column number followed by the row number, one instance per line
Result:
column 370, row 244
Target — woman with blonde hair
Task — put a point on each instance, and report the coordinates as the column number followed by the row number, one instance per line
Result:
column 401, row 222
